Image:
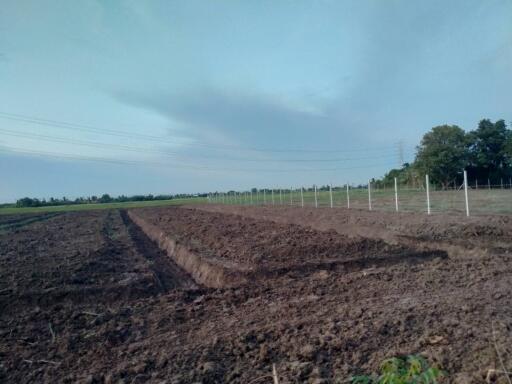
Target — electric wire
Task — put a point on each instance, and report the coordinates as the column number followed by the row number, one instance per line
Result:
column 160, row 139
column 178, row 165
column 93, row 144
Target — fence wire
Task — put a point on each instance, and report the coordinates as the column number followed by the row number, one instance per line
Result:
column 483, row 199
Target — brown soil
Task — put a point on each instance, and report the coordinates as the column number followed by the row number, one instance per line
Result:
column 490, row 232
column 88, row 297
column 262, row 248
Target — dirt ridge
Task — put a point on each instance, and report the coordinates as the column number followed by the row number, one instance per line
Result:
column 212, row 272
column 204, row 272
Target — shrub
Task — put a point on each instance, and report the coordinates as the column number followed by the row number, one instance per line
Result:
column 402, row 370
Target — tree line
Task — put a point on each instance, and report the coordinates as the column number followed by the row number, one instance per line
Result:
column 443, row 153
column 105, row 198
column 446, row 150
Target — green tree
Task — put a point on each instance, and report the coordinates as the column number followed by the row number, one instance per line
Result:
column 105, row 198
column 490, row 149
column 408, row 174
column 508, row 148
column 442, row 154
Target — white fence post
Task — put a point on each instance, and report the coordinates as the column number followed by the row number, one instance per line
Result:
column 466, row 191
column 302, row 197
column 280, row 196
column 369, row 195
column 251, row 196
column 272, row 196
column 291, row 196
column 348, row 197
column 428, row 194
column 264, row 196
column 316, row 199
column 330, row 193
column 396, row 196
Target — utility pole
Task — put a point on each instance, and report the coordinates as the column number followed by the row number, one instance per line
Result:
column 401, row 160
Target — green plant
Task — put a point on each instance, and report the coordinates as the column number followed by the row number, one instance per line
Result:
column 402, row 370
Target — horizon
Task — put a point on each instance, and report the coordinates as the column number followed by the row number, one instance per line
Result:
column 193, row 97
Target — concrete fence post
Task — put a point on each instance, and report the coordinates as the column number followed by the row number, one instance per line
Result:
column 316, row 198
column 330, row 193
column 369, row 195
column 396, row 196
column 466, row 191
column 428, row 194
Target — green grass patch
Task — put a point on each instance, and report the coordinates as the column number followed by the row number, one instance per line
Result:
column 410, row 369
column 87, row 207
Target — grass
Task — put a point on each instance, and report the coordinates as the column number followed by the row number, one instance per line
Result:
column 481, row 201
column 86, row 207
column 402, row 370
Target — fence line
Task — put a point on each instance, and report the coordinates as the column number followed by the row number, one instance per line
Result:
column 477, row 197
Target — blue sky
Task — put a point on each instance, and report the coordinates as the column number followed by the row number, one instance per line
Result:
column 129, row 97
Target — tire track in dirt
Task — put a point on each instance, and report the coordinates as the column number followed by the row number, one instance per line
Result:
column 168, row 275
column 10, row 224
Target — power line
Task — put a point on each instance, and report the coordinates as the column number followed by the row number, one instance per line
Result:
column 160, row 139
column 178, row 165
column 93, row 144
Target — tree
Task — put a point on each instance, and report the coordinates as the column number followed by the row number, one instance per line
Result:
column 508, row 149
column 442, row 154
column 28, row 202
column 490, row 152
column 408, row 174
column 105, row 198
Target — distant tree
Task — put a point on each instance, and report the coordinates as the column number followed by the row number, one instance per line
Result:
column 508, row 148
column 28, row 202
column 442, row 154
column 408, row 174
column 490, row 150
column 105, row 198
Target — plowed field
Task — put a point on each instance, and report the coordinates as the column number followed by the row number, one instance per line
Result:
column 219, row 294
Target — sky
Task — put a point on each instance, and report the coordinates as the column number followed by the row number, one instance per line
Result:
column 139, row 97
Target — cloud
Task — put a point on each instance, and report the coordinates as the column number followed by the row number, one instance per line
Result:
column 245, row 118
